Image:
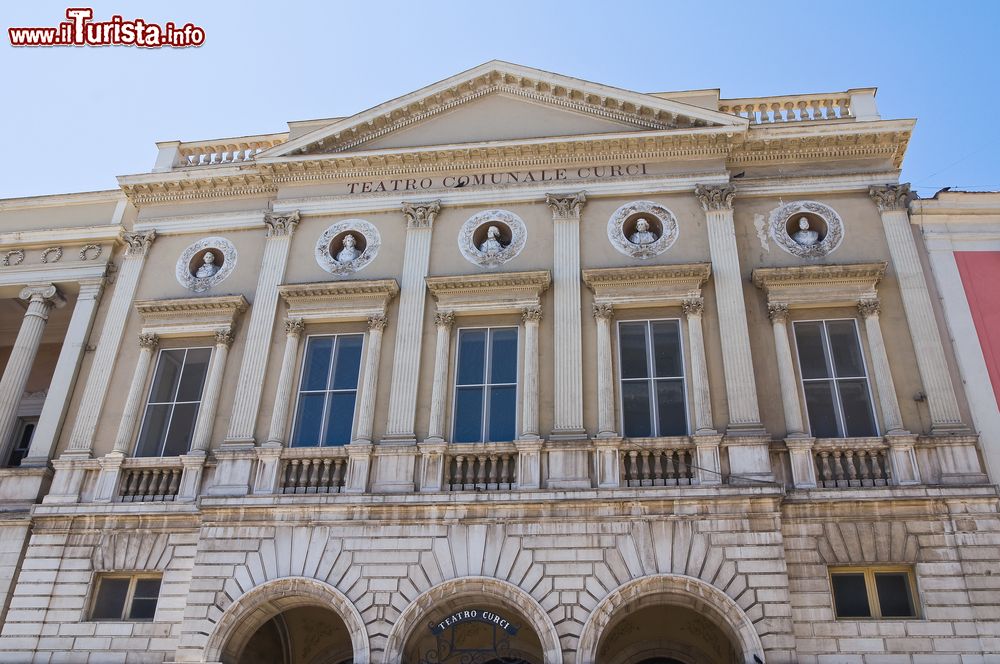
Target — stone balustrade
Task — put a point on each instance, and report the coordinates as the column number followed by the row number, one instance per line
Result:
column 313, row 470
column 143, row 483
column 658, row 462
column 225, row 151
column 486, row 467
column 791, row 108
column 858, row 462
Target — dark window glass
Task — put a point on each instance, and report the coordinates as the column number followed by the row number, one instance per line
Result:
column 340, row 418
column 110, row 601
column 316, row 368
column 846, row 349
column 22, row 442
column 636, row 409
column 308, row 420
column 503, row 357
column 193, row 376
column 502, row 409
column 174, row 401
column 652, row 406
column 822, row 411
column 471, row 357
column 632, row 343
column 850, row 595
column 670, row 408
column 154, row 429
column 468, row 414
column 667, row 361
column 893, row 590
column 348, row 364
column 812, row 357
column 181, row 429
column 144, row 599
column 168, row 374
column 328, row 391
column 859, row 420
column 486, row 385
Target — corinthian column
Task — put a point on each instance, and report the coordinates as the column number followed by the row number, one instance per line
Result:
column 606, row 427
column 892, row 419
column 790, row 405
column 258, row 340
column 892, row 202
column 81, row 440
column 412, row 293
column 568, row 393
column 133, row 402
column 693, row 308
column 366, row 406
column 443, row 321
column 41, row 298
column 283, row 394
column 202, row 438
column 741, row 388
column 529, row 404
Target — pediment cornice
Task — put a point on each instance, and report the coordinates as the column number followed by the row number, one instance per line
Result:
column 329, row 301
column 497, row 292
column 647, row 285
column 193, row 316
column 820, row 285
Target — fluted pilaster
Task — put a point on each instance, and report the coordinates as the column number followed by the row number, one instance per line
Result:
column 369, row 386
column 443, row 321
column 892, row 418
column 531, row 316
column 693, row 310
column 202, row 439
column 294, row 327
column 133, row 402
column 790, row 404
column 606, row 426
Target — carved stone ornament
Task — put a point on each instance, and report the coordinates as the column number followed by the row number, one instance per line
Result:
column 444, row 318
column 529, row 314
column 647, row 209
column 90, row 252
column 13, row 257
column 713, row 198
column 378, row 322
column 421, row 215
column 604, row 311
column 149, row 341
column 778, row 222
column 279, row 225
column 52, row 255
column 212, row 271
column 869, row 308
column 566, row 207
column 294, row 326
column 138, row 244
column 224, row 338
column 777, row 312
column 494, row 250
column 891, row 196
column 350, row 255
column 693, row 306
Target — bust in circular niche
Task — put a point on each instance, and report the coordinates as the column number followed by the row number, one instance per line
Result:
column 349, row 251
column 642, row 234
column 208, row 267
column 491, row 246
column 805, row 236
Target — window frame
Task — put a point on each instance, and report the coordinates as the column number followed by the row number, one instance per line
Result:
column 173, row 404
column 21, row 425
column 294, row 419
column 828, row 356
column 518, row 378
column 134, row 578
column 617, row 361
column 874, row 606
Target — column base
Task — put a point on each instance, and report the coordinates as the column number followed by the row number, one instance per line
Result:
column 394, row 467
column 749, row 458
column 568, row 434
column 232, row 474
column 568, row 463
column 529, row 463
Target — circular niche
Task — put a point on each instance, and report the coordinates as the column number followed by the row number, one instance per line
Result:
column 642, row 229
column 806, row 229
column 205, row 263
column 347, row 246
column 492, row 237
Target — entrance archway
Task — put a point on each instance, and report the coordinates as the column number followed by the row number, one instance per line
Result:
column 668, row 619
column 474, row 619
column 293, row 620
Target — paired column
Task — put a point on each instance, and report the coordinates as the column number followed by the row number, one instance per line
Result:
column 606, row 426
column 366, row 406
column 202, row 439
column 531, row 316
column 568, row 394
column 790, row 404
column 892, row 202
column 741, row 388
column 133, row 402
column 892, row 419
column 94, row 394
column 251, row 379
column 413, row 291
column 443, row 320
column 41, row 298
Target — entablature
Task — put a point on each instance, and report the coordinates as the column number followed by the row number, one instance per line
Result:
column 503, row 292
column 341, row 301
column 648, row 285
column 820, row 285
column 190, row 317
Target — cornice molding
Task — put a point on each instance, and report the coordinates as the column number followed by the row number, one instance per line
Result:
column 498, row 292
column 820, row 285
column 647, row 285
column 192, row 316
column 338, row 301
column 80, row 235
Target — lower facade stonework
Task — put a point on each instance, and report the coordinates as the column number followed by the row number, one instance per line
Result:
column 655, row 576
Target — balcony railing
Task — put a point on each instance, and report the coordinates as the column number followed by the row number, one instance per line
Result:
column 792, row 108
column 313, row 470
column 658, row 462
column 854, row 463
column 486, row 467
column 225, row 150
column 144, row 484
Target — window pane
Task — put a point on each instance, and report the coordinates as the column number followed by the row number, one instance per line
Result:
column 142, row 609
column 154, row 430
column 819, row 404
column 812, row 359
column 316, row 367
column 503, row 356
column 340, row 418
column 193, row 378
column 471, row 357
column 348, row 362
column 468, row 414
column 632, row 340
column 667, row 349
column 110, row 600
column 144, row 599
column 847, row 360
column 894, row 598
column 147, row 588
column 181, row 429
column 850, row 596
column 671, row 411
column 635, row 409
column 308, row 420
column 502, row 413
column 168, row 373
column 859, row 420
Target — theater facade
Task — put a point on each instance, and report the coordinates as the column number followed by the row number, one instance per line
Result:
column 515, row 368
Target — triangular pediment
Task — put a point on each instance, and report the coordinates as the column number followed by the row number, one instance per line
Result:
column 499, row 101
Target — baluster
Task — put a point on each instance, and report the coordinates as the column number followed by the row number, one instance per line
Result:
column 296, row 474
column 671, row 478
column 504, row 461
column 175, row 482
column 481, row 475
column 863, row 459
column 633, row 467
column 457, row 480
column 877, row 477
column 657, row 467
column 645, row 466
column 314, row 476
column 338, row 475
column 133, row 485
column 494, row 469
column 838, row 468
column 852, row 471
column 163, row 483
column 324, row 478
column 886, row 466
column 286, row 472
column 825, row 472
column 143, row 484
column 682, row 467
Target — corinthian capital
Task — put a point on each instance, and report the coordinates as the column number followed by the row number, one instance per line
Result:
column 377, row 322
column 566, row 207
column 149, row 341
column 224, row 337
column 444, row 318
column 421, row 215
column 294, row 326
column 693, row 306
column 604, row 311
column 531, row 314
column 891, row 196
column 715, row 197
column 777, row 312
column 281, row 224
column 138, row 244
column 869, row 308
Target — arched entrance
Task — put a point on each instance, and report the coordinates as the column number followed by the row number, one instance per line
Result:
column 292, row 620
column 475, row 620
column 668, row 619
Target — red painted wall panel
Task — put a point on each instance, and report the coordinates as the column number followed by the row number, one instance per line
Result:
column 980, row 272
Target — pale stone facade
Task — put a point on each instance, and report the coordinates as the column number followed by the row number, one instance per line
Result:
column 703, row 516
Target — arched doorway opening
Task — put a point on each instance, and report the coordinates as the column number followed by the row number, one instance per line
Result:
column 303, row 635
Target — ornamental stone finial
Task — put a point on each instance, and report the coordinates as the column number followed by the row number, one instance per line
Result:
column 869, row 308
column 777, row 312
column 604, row 311
column 138, row 244
column 421, row 215
column 444, row 318
column 566, row 207
column 891, row 196
column 715, row 197
column 149, row 341
column 224, row 337
column 693, row 306
column 377, row 322
column 531, row 314
column 281, row 224
column 294, row 326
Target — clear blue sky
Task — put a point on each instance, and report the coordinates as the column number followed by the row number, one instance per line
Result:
column 74, row 118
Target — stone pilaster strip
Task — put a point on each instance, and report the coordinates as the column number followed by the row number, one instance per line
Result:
column 531, row 316
column 201, row 441
column 294, row 327
column 606, row 425
column 693, row 309
column 369, row 385
column 791, row 406
column 892, row 418
column 134, row 401
column 443, row 320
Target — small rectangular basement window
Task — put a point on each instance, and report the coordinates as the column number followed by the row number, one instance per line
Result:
column 125, row 597
column 874, row 592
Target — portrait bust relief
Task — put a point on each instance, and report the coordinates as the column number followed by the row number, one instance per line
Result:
column 205, row 263
column 492, row 237
column 347, row 246
column 642, row 229
column 806, row 229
